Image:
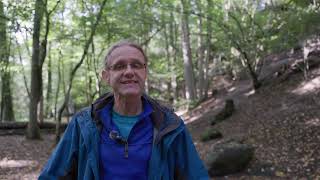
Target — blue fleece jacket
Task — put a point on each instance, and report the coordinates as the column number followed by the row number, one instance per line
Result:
column 173, row 153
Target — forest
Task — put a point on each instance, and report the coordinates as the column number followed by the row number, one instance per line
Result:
column 203, row 56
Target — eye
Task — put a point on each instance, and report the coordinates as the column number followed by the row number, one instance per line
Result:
column 118, row 67
column 137, row 65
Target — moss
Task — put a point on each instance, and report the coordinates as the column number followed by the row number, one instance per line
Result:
column 225, row 112
column 210, row 134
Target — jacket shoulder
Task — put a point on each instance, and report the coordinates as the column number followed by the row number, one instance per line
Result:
column 84, row 113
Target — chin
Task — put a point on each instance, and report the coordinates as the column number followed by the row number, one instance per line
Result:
column 131, row 93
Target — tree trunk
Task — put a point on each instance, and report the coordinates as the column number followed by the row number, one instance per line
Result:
column 48, row 111
column 169, row 64
column 6, row 111
column 209, row 54
column 173, row 44
column 40, row 108
column 58, row 87
column 74, row 70
column 186, row 50
column 33, row 131
column 253, row 75
column 201, row 84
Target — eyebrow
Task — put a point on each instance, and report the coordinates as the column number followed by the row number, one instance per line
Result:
column 133, row 60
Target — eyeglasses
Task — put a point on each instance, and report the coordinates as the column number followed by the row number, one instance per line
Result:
column 124, row 66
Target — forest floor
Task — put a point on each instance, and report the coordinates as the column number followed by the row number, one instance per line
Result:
column 281, row 120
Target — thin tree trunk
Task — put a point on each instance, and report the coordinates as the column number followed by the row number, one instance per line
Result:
column 253, row 75
column 98, row 82
column 43, row 54
column 40, row 108
column 201, row 69
column 49, row 89
column 33, row 131
column 169, row 87
column 23, row 71
column 173, row 44
column 58, row 88
column 208, row 49
column 186, row 50
column 74, row 70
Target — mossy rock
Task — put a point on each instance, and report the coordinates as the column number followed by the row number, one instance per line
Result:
column 226, row 112
column 229, row 157
column 210, row 134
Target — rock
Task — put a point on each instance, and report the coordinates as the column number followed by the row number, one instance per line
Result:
column 214, row 92
column 228, row 157
column 210, row 134
column 225, row 112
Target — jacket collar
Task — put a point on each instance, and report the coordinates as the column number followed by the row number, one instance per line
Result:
column 163, row 118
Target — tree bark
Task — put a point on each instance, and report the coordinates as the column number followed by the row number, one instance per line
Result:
column 186, row 50
column 6, row 111
column 209, row 54
column 169, row 64
column 58, row 86
column 173, row 43
column 201, row 79
column 33, row 131
column 48, row 111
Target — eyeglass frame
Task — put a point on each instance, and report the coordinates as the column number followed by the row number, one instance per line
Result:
column 124, row 66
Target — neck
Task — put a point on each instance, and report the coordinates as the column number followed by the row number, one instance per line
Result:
column 128, row 106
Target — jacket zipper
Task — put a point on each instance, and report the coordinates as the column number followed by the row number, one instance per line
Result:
column 126, row 149
column 114, row 135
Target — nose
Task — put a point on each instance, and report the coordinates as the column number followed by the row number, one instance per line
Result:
column 128, row 72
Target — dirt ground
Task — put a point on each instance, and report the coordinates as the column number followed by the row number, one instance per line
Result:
column 23, row 159
column 280, row 120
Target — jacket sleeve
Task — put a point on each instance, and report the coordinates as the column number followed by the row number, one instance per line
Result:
column 188, row 163
column 63, row 160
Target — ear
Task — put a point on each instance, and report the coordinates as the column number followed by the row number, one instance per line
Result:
column 105, row 76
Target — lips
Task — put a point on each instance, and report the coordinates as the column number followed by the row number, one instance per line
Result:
column 129, row 82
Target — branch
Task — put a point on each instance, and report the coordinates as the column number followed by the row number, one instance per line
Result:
column 23, row 71
column 150, row 37
column 74, row 70
column 54, row 8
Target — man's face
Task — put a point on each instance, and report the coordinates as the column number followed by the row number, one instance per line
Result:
column 126, row 72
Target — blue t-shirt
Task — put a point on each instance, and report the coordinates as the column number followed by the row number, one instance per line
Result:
column 124, row 123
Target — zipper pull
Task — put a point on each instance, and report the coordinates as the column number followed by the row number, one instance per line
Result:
column 126, row 149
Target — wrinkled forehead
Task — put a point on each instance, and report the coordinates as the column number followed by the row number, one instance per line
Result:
column 125, row 53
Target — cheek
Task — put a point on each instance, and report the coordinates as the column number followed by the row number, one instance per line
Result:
column 143, row 76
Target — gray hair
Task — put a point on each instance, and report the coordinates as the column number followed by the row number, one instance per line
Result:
column 120, row 44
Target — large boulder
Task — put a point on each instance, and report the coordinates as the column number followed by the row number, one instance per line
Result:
column 228, row 157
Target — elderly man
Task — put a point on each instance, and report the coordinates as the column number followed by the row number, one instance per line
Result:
column 125, row 134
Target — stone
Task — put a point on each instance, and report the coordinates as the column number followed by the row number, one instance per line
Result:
column 225, row 112
column 228, row 157
column 210, row 134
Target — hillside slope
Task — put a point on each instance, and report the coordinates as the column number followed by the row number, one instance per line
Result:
column 281, row 120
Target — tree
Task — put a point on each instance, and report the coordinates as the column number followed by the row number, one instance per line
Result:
column 201, row 51
column 49, row 88
column 33, row 131
column 6, row 112
column 186, row 50
column 74, row 70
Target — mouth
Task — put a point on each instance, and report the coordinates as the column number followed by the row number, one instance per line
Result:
column 129, row 82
